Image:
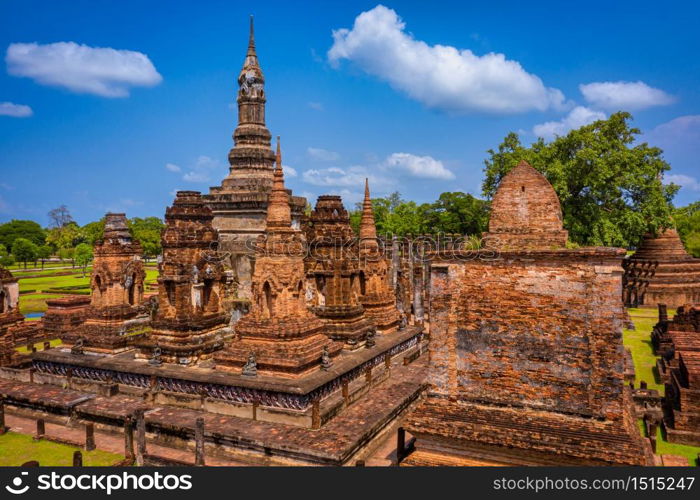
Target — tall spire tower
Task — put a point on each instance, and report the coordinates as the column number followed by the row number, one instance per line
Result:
column 240, row 203
column 251, row 159
column 278, row 213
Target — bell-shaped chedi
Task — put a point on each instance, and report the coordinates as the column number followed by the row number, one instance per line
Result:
column 239, row 204
column 662, row 272
column 280, row 334
column 525, row 213
column 333, row 273
column 116, row 290
column 189, row 324
column 376, row 295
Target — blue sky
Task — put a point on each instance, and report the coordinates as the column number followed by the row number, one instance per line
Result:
column 411, row 94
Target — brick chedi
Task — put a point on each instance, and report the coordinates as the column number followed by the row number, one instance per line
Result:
column 281, row 334
column 333, row 273
column 675, row 280
column 526, row 356
column 239, row 204
column 190, row 323
column 525, row 212
column 117, row 289
column 376, row 295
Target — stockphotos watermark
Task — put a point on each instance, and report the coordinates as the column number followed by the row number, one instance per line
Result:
column 100, row 483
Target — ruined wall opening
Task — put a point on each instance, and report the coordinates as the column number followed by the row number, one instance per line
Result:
column 267, row 300
column 131, row 290
column 363, row 283
column 2, row 301
column 170, row 292
column 208, row 285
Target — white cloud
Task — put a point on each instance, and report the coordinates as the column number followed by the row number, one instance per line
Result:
column 419, row 166
column 625, row 96
column 322, row 154
column 102, row 71
column 289, row 171
column 15, row 110
column 316, row 105
column 381, row 175
column 439, row 76
column 172, row 167
column 201, row 170
column 351, row 177
column 685, row 181
column 684, row 130
column 577, row 117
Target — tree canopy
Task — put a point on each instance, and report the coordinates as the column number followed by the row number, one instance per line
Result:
column 24, row 250
column 687, row 221
column 610, row 186
column 27, row 229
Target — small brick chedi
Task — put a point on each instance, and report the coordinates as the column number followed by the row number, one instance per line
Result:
column 526, row 356
column 280, row 334
column 525, row 212
column 239, row 204
column 117, row 290
column 190, row 323
column 333, row 273
column 675, row 279
column 376, row 295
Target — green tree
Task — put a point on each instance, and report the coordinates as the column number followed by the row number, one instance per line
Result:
column 24, row 250
column 147, row 231
column 67, row 254
column 687, row 221
column 27, row 229
column 83, row 256
column 67, row 236
column 44, row 252
column 610, row 188
column 6, row 260
column 456, row 213
column 93, row 231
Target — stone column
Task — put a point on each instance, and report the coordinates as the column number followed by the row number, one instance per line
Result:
column 129, row 437
column 663, row 313
column 89, row 437
column 40, row 429
column 400, row 444
column 3, row 427
column 140, row 437
column 418, row 278
column 199, row 441
column 77, row 459
column 316, row 414
column 47, row 345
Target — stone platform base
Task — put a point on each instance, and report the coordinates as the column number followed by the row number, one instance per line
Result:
column 353, row 434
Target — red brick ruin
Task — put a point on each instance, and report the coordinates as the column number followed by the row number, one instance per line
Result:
column 526, row 346
column 278, row 338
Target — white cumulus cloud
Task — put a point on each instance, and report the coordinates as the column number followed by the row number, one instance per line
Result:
column 627, row 96
column 350, row 177
column 289, row 171
column 685, row 181
column 577, row 117
column 439, row 76
column 102, row 71
column 322, row 154
column 419, row 166
column 15, row 110
column 172, row 167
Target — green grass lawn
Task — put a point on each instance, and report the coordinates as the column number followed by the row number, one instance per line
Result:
column 16, row 449
column 639, row 342
column 39, row 346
